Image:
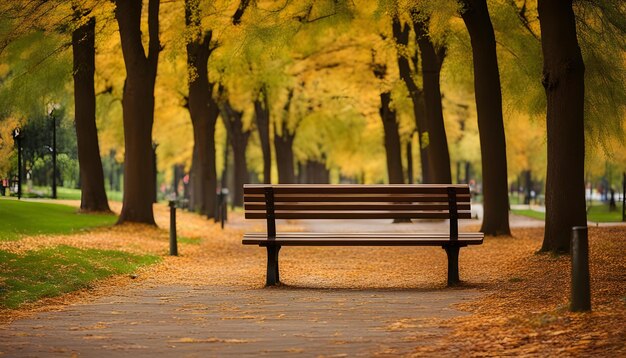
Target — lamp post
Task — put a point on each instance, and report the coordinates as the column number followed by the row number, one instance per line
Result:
column 624, row 197
column 51, row 108
column 17, row 137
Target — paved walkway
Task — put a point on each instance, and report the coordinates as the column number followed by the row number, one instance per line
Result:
column 154, row 318
column 217, row 321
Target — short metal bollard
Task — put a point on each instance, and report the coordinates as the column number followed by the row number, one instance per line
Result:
column 581, row 290
column 221, row 206
column 173, row 242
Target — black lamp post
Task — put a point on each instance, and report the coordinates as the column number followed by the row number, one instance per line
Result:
column 624, row 197
column 17, row 137
column 53, row 107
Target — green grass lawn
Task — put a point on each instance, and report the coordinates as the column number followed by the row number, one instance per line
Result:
column 601, row 213
column 530, row 213
column 597, row 213
column 53, row 271
column 67, row 193
column 21, row 218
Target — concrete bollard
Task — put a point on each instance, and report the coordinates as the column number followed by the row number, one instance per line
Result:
column 581, row 290
column 173, row 241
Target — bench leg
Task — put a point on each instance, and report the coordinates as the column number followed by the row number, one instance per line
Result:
column 453, row 264
column 273, row 277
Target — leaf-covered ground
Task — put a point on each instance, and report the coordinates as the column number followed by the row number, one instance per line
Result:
column 521, row 308
column 525, row 307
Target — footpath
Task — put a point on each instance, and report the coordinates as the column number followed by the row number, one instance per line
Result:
column 210, row 301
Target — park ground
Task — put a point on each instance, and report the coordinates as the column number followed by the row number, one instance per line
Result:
column 210, row 300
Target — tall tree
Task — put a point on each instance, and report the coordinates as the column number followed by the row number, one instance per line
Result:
column 392, row 140
column 490, row 125
column 239, row 137
column 203, row 110
column 262, row 115
column 283, row 145
column 388, row 116
column 401, row 35
column 93, row 196
column 432, row 59
column 564, row 83
column 138, row 107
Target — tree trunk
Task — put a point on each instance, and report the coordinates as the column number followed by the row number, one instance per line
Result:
column 392, row 140
column 155, row 174
column 438, row 155
column 194, row 199
column 564, row 83
column 239, row 141
column 313, row 172
column 203, row 111
column 93, row 196
column 401, row 34
column 262, row 114
column 409, row 161
column 283, row 145
column 224, row 177
column 490, row 125
column 528, row 180
column 138, row 107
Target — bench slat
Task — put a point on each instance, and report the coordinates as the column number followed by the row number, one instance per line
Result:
column 364, row 234
column 355, row 207
column 357, row 215
column 355, row 189
column 257, row 198
column 360, row 241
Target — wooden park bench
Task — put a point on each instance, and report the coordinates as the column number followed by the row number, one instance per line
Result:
column 413, row 201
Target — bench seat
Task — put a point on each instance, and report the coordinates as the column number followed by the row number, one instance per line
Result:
column 366, row 202
column 361, row 239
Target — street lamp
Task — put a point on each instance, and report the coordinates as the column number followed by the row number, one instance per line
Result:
column 154, row 170
column 17, row 138
column 51, row 108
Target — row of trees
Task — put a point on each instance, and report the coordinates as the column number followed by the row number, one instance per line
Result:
column 258, row 66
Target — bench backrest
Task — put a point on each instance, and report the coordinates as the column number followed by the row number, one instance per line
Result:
column 323, row 201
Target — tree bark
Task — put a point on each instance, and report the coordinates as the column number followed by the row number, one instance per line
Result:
column 203, row 111
column 392, row 140
column 93, row 196
column 401, row 34
column 409, row 161
column 528, row 180
column 313, row 172
column 262, row 114
column 490, row 124
column 564, row 83
column 239, row 141
column 138, row 107
column 432, row 59
column 283, row 145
